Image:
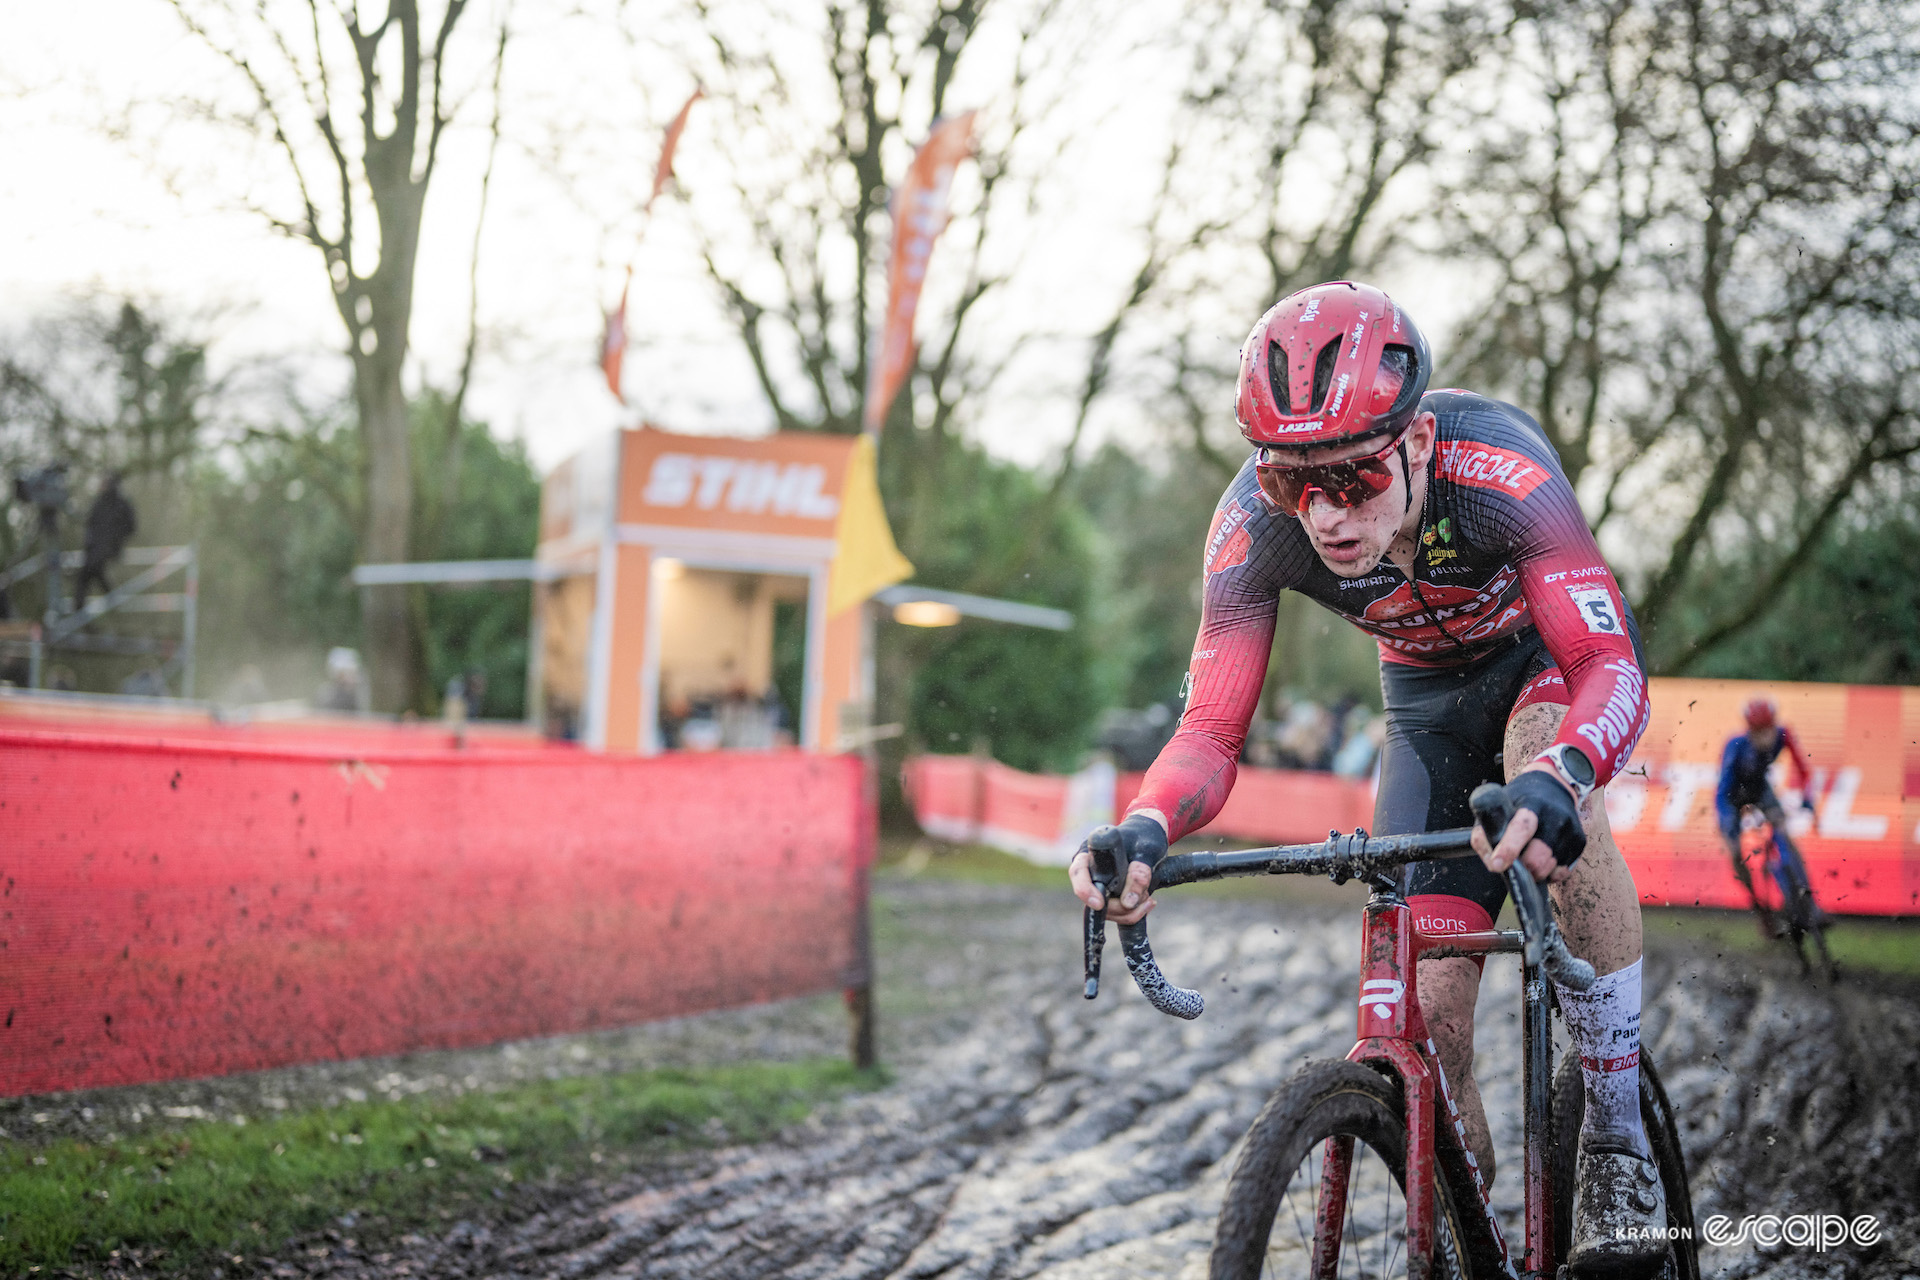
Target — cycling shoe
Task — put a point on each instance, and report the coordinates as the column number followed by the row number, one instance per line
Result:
column 1619, row 1211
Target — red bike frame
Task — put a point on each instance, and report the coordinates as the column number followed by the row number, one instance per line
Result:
column 1393, row 1040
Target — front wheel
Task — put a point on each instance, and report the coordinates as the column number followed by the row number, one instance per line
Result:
column 1804, row 917
column 1656, row 1113
column 1269, row 1220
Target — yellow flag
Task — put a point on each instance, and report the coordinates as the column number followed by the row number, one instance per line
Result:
column 866, row 559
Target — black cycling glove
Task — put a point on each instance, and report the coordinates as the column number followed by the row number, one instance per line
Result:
column 1554, row 806
column 1136, row 839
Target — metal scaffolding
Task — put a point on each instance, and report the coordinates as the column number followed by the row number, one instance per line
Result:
column 63, row 629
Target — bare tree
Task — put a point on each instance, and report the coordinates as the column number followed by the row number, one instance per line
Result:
column 1560, row 220
column 1313, row 125
column 357, row 111
column 1707, row 268
column 817, row 119
column 103, row 389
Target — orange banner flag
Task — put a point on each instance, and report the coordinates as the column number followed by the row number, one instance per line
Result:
column 919, row 216
column 663, row 172
column 613, row 342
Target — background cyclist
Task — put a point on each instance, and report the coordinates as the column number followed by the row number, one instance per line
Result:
column 1743, row 781
column 1442, row 524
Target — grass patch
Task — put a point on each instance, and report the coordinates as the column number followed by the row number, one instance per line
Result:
column 1860, row 944
column 211, row 1190
column 974, row 863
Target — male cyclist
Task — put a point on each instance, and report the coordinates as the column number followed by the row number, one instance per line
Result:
column 1441, row 524
column 1743, row 781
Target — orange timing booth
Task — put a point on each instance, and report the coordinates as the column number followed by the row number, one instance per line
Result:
column 705, row 592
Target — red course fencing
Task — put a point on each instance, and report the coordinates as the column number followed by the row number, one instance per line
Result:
column 969, row 798
column 1860, row 838
column 182, row 907
column 1861, row 842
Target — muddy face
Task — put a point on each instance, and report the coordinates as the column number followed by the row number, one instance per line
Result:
column 1352, row 541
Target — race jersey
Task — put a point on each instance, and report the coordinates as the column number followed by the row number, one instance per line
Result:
column 1503, row 547
column 1743, row 771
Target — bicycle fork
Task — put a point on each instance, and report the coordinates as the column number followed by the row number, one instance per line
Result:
column 1393, row 1039
column 1390, row 1027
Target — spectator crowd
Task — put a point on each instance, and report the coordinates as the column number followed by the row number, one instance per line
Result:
column 1289, row 731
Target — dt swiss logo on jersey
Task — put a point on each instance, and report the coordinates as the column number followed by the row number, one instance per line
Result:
column 1485, row 467
column 1229, row 542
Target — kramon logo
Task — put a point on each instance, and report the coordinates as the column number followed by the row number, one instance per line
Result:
column 749, row 486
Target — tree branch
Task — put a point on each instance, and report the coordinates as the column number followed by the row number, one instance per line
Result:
column 1763, row 598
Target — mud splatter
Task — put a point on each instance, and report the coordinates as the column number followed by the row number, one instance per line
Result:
column 1033, row 1134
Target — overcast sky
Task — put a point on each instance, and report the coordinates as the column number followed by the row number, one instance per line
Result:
column 103, row 192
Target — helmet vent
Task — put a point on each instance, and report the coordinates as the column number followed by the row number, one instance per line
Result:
column 1323, row 373
column 1401, row 362
column 1277, row 376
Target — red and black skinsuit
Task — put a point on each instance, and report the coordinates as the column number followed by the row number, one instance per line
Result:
column 1510, row 603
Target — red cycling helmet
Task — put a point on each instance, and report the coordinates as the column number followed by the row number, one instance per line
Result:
column 1335, row 363
column 1761, row 713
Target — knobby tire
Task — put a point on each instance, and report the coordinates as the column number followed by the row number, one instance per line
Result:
column 1325, row 1100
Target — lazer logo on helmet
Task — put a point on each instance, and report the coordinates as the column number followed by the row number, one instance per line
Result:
column 1485, row 467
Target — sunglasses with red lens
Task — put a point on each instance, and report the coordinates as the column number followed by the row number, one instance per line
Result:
column 1347, row 483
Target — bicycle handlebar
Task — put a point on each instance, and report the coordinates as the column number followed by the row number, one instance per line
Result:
column 1344, row 857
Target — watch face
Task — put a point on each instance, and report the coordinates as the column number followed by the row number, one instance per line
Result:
column 1577, row 766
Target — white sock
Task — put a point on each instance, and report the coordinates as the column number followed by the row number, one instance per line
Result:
column 1604, row 1024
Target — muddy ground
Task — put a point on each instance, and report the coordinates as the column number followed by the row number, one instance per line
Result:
column 1032, row 1134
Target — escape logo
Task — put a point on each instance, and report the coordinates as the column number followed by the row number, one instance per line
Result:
column 1816, row 1231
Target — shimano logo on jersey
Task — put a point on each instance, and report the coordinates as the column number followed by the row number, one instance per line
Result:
column 1378, row 580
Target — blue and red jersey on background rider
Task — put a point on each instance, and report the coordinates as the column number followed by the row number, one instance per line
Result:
column 1744, row 781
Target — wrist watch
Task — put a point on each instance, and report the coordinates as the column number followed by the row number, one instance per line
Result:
column 1571, row 766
